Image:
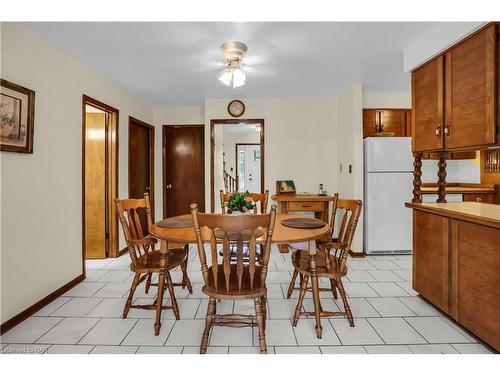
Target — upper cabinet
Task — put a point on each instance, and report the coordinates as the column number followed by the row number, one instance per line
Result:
column 376, row 121
column 454, row 101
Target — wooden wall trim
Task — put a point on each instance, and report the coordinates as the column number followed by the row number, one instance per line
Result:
column 213, row 122
column 12, row 322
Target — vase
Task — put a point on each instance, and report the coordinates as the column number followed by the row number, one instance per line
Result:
column 249, row 212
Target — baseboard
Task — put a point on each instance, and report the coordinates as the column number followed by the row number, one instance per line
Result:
column 12, row 322
column 356, row 254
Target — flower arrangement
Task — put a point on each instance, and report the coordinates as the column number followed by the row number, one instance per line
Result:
column 242, row 202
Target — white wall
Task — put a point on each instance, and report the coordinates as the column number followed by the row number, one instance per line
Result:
column 468, row 170
column 386, row 100
column 41, row 207
column 350, row 151
column 169, row 116
column 300, row 140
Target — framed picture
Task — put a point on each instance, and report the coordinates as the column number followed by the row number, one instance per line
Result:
column 17, row 116
column 285, row 187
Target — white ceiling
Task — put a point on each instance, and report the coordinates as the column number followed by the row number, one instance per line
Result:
column 177, row 63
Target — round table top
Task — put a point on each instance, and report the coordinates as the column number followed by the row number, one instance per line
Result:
column 281, row 234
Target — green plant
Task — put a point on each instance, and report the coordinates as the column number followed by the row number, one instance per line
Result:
column 240, row 202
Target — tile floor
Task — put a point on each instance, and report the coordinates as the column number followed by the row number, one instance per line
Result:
column 389, row 317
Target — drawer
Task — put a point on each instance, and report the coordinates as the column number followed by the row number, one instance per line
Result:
column 485, row 198
column 305, row 206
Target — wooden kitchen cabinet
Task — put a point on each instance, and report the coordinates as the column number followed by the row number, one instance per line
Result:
column 427, row 103
column 470, row 91
column 456, row 258
column 431, row 258
column 377, row 121
column 454, row 96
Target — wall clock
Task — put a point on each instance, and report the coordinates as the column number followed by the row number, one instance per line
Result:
column 236, row 108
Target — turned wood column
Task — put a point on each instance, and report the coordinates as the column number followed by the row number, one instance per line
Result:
column 442, row 178
column 417, row 174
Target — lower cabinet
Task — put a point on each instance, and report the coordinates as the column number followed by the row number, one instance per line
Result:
column 456, row 267
column 431, row 258
column 475, row 279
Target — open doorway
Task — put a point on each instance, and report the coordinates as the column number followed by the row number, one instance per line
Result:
column 99, row 179
column 237, row 157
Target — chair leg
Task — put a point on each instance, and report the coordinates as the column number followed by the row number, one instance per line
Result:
column 209, row 320
column 170, row 287
column 292, row 284
column 185, row 278
column 135, row 282
column 148, row 282
column 315, row 293
column 347, row 309
column 334, row 288
column 298, row 308
column 260, row 324
column 159, row 302
column 263, row 301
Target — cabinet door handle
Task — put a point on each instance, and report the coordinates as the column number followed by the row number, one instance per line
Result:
column 306, row 205
column 478, row 199
column 447, row 129
column 438, row 131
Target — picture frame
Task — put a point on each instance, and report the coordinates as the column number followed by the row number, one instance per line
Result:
column 17, row 117
column 285, row 187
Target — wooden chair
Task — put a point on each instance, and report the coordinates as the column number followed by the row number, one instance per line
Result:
column 234, row 280
column 146, row 260
column 319, row 243
column 262, row 199
column 331, row 262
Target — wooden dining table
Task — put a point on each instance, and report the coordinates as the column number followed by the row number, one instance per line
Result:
column 305, row 239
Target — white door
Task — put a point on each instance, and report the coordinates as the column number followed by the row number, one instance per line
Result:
column 388, row 223
column 248, row 164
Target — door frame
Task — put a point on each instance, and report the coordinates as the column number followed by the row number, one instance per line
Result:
column 164, row 155
column 214, row 122
column 236, row 159
column 113, row 250
column 135, row 121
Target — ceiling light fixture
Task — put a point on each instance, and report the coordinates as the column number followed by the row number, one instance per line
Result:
column 233, row 52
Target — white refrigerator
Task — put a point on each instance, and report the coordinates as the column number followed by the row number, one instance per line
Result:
column 388, row 181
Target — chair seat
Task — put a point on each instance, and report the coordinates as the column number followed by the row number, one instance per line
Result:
column 246, row 292
column 151, row 261
column 301, row 262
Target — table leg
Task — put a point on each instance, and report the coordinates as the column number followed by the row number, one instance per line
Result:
column 315, row 288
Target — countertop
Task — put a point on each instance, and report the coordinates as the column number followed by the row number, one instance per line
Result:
column 476, row 212
column 298, row 197
column 460, row 189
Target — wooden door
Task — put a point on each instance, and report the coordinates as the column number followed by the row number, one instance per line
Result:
column 427, row 104
column 183, row 168
column 95, row 186
column 370, row 122
column 141, row 163
column 470, row 91
column 392, row 121
column 431, row 257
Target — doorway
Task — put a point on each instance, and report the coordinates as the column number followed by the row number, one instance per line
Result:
column 99, row 179
column 141, row 151
column 248, row 167
column 236, row 156
column 183, row 168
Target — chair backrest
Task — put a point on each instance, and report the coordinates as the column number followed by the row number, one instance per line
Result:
column 232, row 231
column 344, row 221
column 259, row 198
column 129, row 213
